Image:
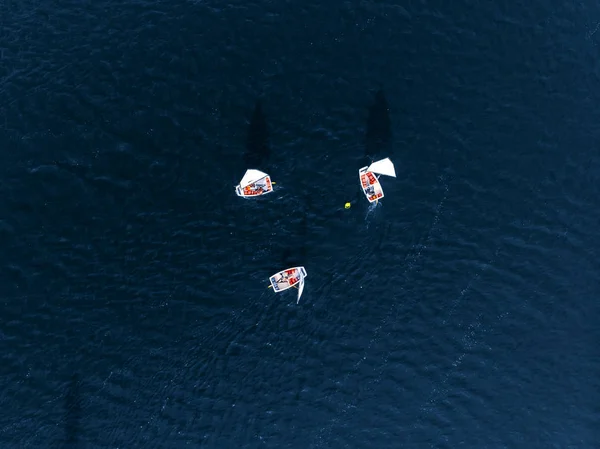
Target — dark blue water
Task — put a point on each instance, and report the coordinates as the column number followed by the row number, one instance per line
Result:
column 461, row 312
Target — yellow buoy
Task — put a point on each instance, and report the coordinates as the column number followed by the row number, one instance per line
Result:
column 347, row 206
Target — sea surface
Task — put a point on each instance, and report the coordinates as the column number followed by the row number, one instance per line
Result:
column 462, row 311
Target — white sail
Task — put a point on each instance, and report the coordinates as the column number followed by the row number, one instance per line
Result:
column 251, row 176
column 383, row 167
column 300, row 288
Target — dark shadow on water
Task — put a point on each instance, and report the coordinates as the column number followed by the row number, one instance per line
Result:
column 378, row 135
column 378, row 139
column 72, row 413
column 257, row 140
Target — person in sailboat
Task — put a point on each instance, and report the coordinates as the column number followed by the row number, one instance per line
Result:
column 258, row 187
column 254, row 188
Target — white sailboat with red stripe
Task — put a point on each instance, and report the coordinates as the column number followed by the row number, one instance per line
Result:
column 292, row 277
column 369, row 181
column 254, row 183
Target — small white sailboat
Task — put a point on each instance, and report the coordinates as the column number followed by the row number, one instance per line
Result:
column 292, row 277
column 254, row 183
column 370, row 182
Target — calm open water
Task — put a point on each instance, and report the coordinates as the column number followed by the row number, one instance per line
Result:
column 462, row 312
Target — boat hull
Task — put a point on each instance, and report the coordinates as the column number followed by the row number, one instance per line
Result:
column 370, row 185
column 258, row 188
column 287, row 278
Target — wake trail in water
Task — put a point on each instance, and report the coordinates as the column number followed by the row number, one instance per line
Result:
column 412, row 258
column 457, row 301
column 233, row 327
column 473, row 336
column 468, row 340
column 370, row 211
